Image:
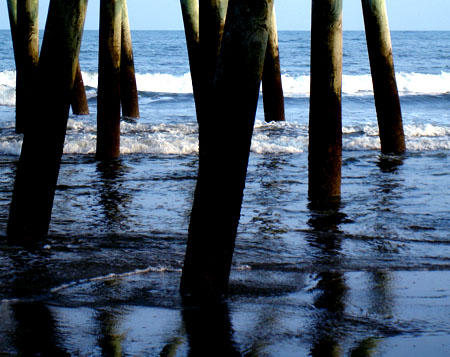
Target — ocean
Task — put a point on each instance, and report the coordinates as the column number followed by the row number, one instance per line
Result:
column 371, row 278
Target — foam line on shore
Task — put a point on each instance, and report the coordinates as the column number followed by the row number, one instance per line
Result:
column 113, row 276
column 268, row 138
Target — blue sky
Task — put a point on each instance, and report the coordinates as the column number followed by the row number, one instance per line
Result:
column 291, row 14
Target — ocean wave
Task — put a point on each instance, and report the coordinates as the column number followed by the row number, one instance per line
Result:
column 361, row 85
column 293, row 86
column 8, row 88
column 268, row 138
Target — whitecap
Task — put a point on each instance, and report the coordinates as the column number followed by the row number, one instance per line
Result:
column 293, row 86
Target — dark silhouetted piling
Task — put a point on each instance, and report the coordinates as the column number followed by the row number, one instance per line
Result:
column 325, row 124
column 224, row 151
column 128, row 87
column 40, row 158
column 27, row 57
column 387, row 101
column 271, row 80
column 108, row 98
column 212, row 14
column 190, row 11
column 79, row 101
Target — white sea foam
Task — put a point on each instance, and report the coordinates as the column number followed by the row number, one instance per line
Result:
column 268, row 138
column 359, row 85
column 166, row 83
column 112, row 276
column 279, row 137
column 426, row 130
column 419, row 83
column 295, row 86
column 361, row 143
column 352, row 85
column 151, row 82
column 8, row 88
column 10, row 145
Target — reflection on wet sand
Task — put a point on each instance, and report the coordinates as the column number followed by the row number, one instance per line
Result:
column 325, row 238
column 261, row 335
column 365, row 348
column 389, row 163
column 112, row 197
column 268, row 197
column 331, row 288
column 35, row 333
column 209, row 330
column 338, row 326
column 171, row 348
column 109, row 339
column 380, row 297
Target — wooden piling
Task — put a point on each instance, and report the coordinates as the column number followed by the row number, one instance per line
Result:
column 128, row 87
column 212, row 14
column 224, row 151
column 79, row 101
column 325, row 126
column 271, row 80
column 12, row 14
column 387, row 101
column 27, row 57
column 190, row 11
column 40, row 158
column 108, row 97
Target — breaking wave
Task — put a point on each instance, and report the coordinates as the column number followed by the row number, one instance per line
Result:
column 353, row 85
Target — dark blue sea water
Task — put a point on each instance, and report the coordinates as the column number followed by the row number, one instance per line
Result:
column 372, row 277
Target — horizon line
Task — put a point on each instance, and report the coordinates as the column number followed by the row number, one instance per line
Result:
column 280, row 30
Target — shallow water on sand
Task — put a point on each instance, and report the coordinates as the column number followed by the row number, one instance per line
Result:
column 369, row 277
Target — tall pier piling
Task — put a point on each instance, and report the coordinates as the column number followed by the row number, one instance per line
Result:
column 325, row 123
column 128, row 87
column 387, row 101
column 12, row 14
column 108, row 98
column 271, row 80
column 224, row 151
column 79, row 101
column 212, row 14
column 23, row 16
column 40, row 158
column 190, row 11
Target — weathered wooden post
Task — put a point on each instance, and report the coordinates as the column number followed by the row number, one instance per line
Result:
column 224, row 151
column 387, row 101
column 25, row 34
column 212, row 14
column 190, row 11
column 40, row 158
column 108, row 98
column 325, row 126
column 12, row 14
column 128, row 87
column 271, row 80
column 79, row 101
